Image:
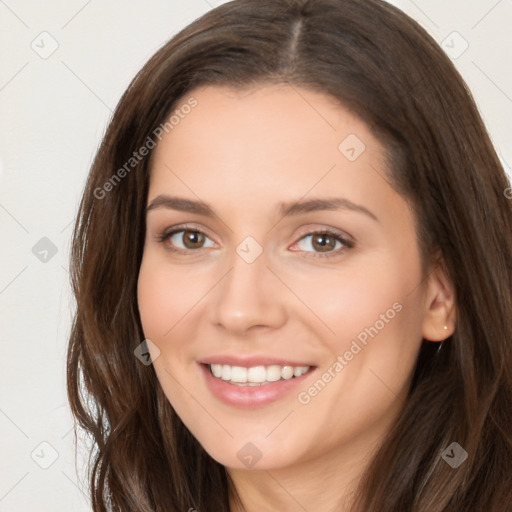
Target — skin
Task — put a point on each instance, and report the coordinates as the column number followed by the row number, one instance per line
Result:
column 244, row 152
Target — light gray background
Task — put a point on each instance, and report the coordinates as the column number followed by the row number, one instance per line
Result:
column 53, row 113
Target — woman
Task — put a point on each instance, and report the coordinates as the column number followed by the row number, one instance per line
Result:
column 292, row 266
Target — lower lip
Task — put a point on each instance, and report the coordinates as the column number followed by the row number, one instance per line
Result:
column 248, row 397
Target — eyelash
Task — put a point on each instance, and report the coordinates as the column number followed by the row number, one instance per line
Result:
column 349, row 244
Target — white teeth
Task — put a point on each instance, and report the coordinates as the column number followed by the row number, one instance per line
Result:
column 299, row 370
column 216, row 370
column 287, row 372
column 273, row 373
column 238, row 374
column 256, row 375
column 226, row 372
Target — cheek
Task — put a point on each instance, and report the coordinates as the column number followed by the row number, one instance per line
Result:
column 370, row 332
column 164, row 297
column 153, row 301
column 342, row 304
column 374, row 311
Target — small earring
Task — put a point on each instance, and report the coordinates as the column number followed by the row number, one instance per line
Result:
column 445, row 327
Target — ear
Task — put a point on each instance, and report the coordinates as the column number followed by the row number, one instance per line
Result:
column 439, row 306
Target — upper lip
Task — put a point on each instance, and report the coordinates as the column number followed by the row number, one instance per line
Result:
column 249, row 362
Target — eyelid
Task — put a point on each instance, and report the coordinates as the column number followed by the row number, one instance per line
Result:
column 326, row 229
column 168, row 232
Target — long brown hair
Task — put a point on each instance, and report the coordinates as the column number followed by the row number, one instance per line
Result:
column 383, row 66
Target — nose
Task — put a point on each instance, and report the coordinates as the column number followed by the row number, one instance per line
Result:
column 249, row 297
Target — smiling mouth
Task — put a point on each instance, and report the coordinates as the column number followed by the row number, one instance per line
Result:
column 256, row 375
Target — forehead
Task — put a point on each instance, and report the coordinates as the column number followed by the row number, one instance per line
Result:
column 280, row 135
column 278, row 115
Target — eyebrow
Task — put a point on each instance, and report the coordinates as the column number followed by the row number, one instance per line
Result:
column 284, row 209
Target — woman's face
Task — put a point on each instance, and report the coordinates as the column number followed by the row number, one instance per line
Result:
column 251, row 285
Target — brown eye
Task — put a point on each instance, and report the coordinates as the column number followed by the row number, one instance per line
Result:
column 323, row 242
column 192, row 239
column 185, row 239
